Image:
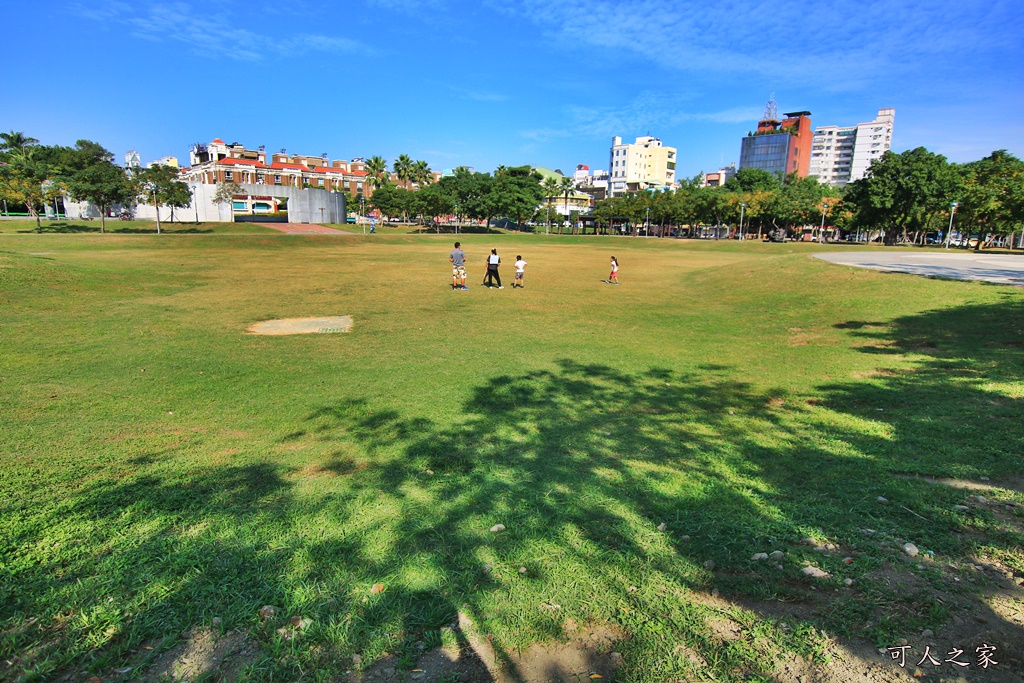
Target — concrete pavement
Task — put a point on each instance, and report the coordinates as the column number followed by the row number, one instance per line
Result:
column 1002, row 269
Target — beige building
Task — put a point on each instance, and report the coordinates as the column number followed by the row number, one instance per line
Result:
column 642, row 165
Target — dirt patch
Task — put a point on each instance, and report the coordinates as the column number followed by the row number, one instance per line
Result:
column 325, row 325
column 469, row 656
column 980, row 486
column 204, row 654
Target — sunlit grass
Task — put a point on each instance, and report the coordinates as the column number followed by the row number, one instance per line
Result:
column 162, row 467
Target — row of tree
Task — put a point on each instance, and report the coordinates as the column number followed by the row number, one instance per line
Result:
column 34, row 175
column 514, row 192
column 902, row 198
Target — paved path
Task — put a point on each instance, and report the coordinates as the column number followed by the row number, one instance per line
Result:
column 1003, row 269
column 304, row 229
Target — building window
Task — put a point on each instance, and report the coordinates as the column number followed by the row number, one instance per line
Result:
column 227, row 175
column 277, row 180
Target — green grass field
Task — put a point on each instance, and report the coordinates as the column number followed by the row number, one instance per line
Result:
column 162, row 468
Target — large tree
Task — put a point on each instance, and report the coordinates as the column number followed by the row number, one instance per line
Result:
column 404, row 167
column 391, row 201
column 550, row 189
column 103, row 184
column 159, row 185
column 28, row 178
column 902, row 192
column 993, row 195
column 377, row 168
column 516, row 192
column 15, row 141
column 422, row 174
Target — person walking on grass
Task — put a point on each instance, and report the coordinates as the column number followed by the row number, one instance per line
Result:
column 520, row 271
column 613, row 278
column 458, row 259
column 493, row 261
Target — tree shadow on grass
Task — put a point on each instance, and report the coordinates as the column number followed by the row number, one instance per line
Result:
column 63, row 228
column 165, row 230
column 626, row 498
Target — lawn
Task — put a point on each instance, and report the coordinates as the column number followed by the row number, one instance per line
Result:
column 164, row 474
column 16, row 226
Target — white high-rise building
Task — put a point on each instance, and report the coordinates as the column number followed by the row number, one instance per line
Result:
column 642, row 165
column 132, row 159
column 842, row 154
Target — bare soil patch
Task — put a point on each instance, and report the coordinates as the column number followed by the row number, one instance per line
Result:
column 324, row 325
column 473, row 657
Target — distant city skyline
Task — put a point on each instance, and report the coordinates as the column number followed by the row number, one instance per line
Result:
column 509, row 82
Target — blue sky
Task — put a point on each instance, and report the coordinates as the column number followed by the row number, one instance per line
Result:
column 508, row 82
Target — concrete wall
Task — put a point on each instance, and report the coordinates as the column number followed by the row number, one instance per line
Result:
column 303, row 205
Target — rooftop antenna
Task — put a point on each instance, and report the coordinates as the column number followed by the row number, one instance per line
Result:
column 771, row 109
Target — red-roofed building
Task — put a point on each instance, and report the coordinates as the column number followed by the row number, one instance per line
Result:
column 220, row 162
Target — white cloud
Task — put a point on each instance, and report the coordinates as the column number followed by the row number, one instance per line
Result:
column 544, row 134
column 813, row 43
column 650, row 112
column 210, row 31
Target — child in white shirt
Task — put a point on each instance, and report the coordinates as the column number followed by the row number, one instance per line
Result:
column 520, row 267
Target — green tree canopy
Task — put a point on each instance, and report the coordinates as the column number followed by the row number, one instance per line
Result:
column 903, row 191
column 992, row 201
column 103, row 184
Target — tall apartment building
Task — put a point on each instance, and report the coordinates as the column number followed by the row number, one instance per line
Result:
column 780, row 147
column 842, row 154
column 642, row 165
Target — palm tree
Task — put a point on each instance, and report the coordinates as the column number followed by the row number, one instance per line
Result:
column 404, row 168
column 377, row 168
column 566, row 185
column 13, row 142
column 551, row 189
column 422, row 173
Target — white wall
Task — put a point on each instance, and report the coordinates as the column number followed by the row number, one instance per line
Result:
column 303, row 205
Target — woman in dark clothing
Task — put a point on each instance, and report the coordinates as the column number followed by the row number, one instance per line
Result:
column 492, row 269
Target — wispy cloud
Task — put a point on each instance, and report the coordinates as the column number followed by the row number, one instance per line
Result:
column 649, row 112
column 211, row 31
column 820, row 43
column 545, row 134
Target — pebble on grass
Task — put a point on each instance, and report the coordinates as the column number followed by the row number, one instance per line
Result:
column 497, row 528
column 815, row 572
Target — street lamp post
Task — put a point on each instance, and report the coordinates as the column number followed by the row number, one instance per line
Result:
column 743, row 208
column 647, row 226
column 362, row 211
column 952, row 212
column 195, row 201
column 456, row 219
column 821, row 232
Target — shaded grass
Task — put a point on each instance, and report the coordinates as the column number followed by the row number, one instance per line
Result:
column 162, row 468
column 116, row 226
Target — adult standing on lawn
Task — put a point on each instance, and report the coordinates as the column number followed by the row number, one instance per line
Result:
column 493, row 261
column 458, row 259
